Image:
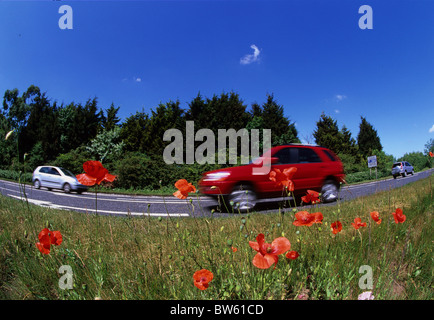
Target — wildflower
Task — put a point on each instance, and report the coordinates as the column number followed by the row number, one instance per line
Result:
column 95, row 173
column 292, row 255
column 336, row 227
column 318, row 217
column 311, row 197
column 304, row 218
column 202, row 278
column 376, row 217
column 283, row 178
column 367, row 295
column 47, row 238
column 358, row 223
column 268, row 253
column 399, row 216
column 431, row 154
column 234, row 249
column 184, row 188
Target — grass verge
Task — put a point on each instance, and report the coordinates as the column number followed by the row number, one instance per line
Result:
column 154, row 258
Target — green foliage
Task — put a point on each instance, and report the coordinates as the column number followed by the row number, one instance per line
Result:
column 107, row 145
column 73, row 160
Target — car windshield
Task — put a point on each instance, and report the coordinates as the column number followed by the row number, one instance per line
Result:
column 67, row 172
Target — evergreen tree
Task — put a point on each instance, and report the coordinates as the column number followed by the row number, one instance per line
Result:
column 327, row 134
column 272, row 115
column 110, row 120
column 368, row 139
column 348, row 143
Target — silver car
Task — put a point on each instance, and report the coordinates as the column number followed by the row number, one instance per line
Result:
column 402, row 168
column 56, row 178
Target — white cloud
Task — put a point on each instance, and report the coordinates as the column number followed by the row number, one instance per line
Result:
column 250, row 58
column 340, row 97
column 138, row 79
column 337, row 111
column 431, row 130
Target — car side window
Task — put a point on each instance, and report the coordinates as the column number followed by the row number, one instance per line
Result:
column 54, row 172
column 286, row 155
column 307, row 155
column 44, row 170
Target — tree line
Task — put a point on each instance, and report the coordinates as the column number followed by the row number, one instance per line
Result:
column 46, row 132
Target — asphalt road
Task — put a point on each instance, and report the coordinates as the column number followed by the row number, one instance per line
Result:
column 122, row 205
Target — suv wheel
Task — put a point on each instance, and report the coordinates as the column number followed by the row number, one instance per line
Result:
column 404, row 173
column 37, row 184
column 329, row 191
column 243, row 198
column 67, row 188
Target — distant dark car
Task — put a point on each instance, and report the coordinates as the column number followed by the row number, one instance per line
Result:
column 318, row 169
column 56, row 178
column 402, row 168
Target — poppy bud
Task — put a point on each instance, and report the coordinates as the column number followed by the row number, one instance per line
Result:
column 229, row 243
column 25, row 234
column 278, row 225
column 182, row 258
column 243, row 221
column 169, row 256
column 159, row 218
column 241, row 227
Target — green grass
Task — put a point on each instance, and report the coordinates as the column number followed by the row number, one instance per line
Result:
column 150, row 258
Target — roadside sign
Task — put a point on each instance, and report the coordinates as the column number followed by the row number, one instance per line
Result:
column 372, row 162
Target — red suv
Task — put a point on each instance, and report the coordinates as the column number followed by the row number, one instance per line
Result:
column 318, row 169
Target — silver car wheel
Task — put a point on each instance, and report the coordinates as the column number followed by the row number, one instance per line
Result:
column 329, row 191
column 243, row 199
column 37, row 184
column 67, row 188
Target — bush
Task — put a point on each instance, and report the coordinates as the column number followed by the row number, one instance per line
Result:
column 15, row 176
column 73, row 160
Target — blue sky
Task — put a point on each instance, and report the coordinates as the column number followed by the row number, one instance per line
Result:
column 311, row 55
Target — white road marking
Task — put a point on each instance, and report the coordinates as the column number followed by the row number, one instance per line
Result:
column 55, row 206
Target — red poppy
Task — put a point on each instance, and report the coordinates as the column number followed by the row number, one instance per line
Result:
column 318, row 217
column 95, row 173
column 304, row 218
column 431, row 154
column 399, row 216
column 311, row 197
column 47, row 238
column 336, row 227
column 184, row 188
column 292, row 255
column 283, row 178
column 202, row 278
column 376, row 217
column 358, row 223
column 268, row 253
column 234, row 249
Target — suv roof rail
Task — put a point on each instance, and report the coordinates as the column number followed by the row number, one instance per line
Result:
column 303, row 144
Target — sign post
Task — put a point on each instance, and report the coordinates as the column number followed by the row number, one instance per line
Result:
column 372, row 163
